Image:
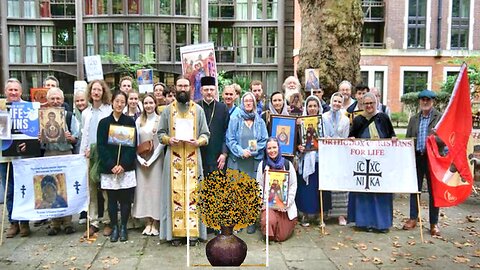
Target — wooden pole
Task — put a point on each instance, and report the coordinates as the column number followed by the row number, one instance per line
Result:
column 4, row 203
column 321, row 213
column 266, row 195
column 89, row 201
column 118, row 159
column 419, row 217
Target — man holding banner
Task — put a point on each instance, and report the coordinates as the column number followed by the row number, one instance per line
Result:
column 420, row 126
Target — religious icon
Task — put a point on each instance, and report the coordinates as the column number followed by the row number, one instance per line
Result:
column 121, row 135
column 353, row 115
column 5, row 126
column 39, row 95
column 283, row 128
column 276, row 189
column 311, row 129
column 50, row 191
column 283, row 134
column 311, row 79
column 52, row 125
column 252, row 145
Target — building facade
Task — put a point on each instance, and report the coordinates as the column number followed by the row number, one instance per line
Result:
column 252, row 38
column 409, row 45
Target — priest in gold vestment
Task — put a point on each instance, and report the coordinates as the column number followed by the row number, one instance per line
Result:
column 183, row 129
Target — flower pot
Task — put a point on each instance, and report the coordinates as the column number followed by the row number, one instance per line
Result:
column 226, row 249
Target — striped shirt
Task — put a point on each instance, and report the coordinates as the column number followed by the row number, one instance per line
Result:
column 423, row 131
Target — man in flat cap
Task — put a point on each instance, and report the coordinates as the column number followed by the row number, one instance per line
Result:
column 419, row 127
column 214, row 155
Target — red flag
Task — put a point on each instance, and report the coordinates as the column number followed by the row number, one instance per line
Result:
column 447, row 149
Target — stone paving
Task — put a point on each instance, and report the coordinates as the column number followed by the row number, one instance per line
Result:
column 340, row 247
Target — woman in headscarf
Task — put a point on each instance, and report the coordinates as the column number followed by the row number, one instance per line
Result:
column 277, row 105
column 371, row 211
column 281, row 222
column 308, row 196
column 246, row 139
column 337, row 125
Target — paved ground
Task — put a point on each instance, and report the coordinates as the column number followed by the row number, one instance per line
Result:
column 339, row 248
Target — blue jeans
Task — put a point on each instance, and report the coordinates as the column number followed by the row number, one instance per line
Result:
column 9, row 202
column 422, row 171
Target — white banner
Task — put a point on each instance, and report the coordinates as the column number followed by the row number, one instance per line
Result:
column 49, row 187
column 93, row 67
column 367, row 165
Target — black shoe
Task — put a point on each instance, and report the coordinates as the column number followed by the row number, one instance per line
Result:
column 53, row 231
column 114, row 235
column 176, row 242
column 40, row 222
column 123, row 233
column 69, row 230
column 193, row 242
column 251, row 229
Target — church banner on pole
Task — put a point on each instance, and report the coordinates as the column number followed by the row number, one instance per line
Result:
column 361, row 165
column 49, row 187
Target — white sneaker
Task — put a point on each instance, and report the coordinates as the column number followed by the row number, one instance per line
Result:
column 147, row 230
column 82, row 221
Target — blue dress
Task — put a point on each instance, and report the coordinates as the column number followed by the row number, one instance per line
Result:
column 308, row 196
column 371, row 210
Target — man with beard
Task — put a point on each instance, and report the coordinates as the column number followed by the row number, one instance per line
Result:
column 183, row 129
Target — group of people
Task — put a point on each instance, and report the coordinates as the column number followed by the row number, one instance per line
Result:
column 178, row 141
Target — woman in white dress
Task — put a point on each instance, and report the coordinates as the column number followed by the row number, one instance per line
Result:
column 149, row 168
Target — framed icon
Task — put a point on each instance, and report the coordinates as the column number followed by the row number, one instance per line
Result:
column 283, row 128
column 311, row 129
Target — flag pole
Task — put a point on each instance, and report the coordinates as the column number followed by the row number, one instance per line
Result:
column 89, row 201
column 419, row 217
column 4, row 203
column 322, row 225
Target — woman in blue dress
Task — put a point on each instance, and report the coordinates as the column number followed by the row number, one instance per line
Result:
column 371, row 211
column 308, row 195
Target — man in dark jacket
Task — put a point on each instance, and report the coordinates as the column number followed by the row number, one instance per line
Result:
column 420, row 126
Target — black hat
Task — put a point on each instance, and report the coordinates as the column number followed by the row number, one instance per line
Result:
column 208, row 80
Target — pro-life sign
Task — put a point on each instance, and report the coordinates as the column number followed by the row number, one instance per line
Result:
column 362, row 165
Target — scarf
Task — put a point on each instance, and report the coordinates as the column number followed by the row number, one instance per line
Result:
column 278, row 162
column 248, row 115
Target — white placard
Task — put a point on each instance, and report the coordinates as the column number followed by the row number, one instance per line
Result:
column 184, row 129
column 93, row 67
column 363, row 165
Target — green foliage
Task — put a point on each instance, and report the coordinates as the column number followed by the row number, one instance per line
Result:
column 124, row 64
column 399, row 117
column 448, row 85
column 225, row 78
column 410, row 101
column 473, row 63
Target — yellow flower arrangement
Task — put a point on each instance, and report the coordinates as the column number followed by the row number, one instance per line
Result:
column 229, row 199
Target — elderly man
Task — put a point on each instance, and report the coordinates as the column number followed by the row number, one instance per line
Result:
column 55, row 99
column 291, row 86
column 214, row 155
column 345, row 88
column 13, row 93
column 183, row 128
column 419, row 127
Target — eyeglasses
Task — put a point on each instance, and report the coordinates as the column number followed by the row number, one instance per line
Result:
column 368, row 103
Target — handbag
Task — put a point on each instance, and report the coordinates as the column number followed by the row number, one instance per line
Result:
column 145, row 148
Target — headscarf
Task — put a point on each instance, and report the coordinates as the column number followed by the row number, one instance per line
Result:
column 243, row 113
column 310, row 157
column 305, row 109
column 279, row 161
column 284, row 107
column 374, row 98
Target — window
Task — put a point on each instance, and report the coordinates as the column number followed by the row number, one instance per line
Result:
column 194, row 8
column 271, row 46
column 30, row 45
column 414, row 81
column 180, row 7
column 242, row 10
column 62, row 8
column 47, row 44
column 223, row 41
column 221, row 9
column 164, row 43
column 88, row 7
column 257, row 9
column 417, row 13
column 29, row 9
column 264, row 9
column 14, row 44
column 134, row 41
column 118, row 46
column 194, row 34
column 102, row 6
column 148, row 7
column 165, row 7
column 149, row 38
column 181, row 39
column 13, row 7
column 460, row 24
column 271, row 10
column 257, row 54
column 271, row 83
column 242, row 45
column 103, row 47
column 376, row 76
column 90, row 40
column 117, row 6
column 133, row 7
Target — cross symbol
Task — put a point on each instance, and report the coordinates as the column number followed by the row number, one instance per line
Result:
column 76, row 186
column 23, row 191
column 367, row 175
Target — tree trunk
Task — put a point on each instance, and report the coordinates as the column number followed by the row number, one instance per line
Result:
column 331, row 35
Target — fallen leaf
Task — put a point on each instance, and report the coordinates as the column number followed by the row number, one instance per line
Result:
column 361, row 246
column 476, row 266
column 393, row 259
column 365, row 259
column 377, row 261
column 335, row 248
column 411, row 242
column 376, row 249
column 396, row 244
column 350, row 264
column 461, row 259
column 477, row 253
column 471, row 218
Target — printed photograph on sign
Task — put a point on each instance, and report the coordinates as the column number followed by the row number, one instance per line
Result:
column 311, row 129
column 276, row 183
column 50, row 191
column 145, row 80
column 39, row 95
column 5, row 126
column 283, row 128
column 121, row 135
column 311, row 79
column 52, row 125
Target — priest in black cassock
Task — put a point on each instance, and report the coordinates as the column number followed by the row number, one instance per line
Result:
column 214, row 155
